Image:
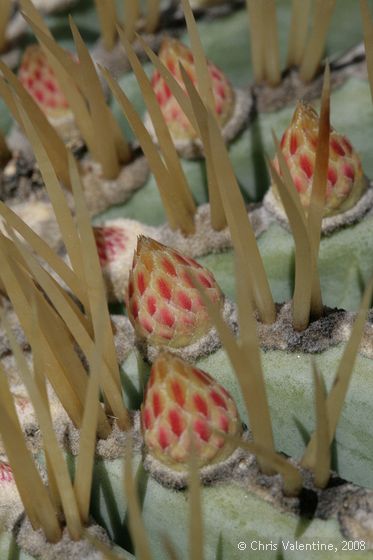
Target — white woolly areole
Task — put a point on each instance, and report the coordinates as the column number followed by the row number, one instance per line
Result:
column 102, row 193
column 205, row 240
column 116, row 60
column 35, row 544
column 364, row 206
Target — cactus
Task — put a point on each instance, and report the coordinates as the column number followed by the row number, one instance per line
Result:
column 263, row 368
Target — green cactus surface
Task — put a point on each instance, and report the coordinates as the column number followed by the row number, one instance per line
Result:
column 231, row 516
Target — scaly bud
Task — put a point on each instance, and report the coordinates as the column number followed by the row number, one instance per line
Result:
column 163, row 305
column 38, row 78
column 172, row 54
column 345, row 177
column 6, row 474
column 183, row 409
column 111, row 241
